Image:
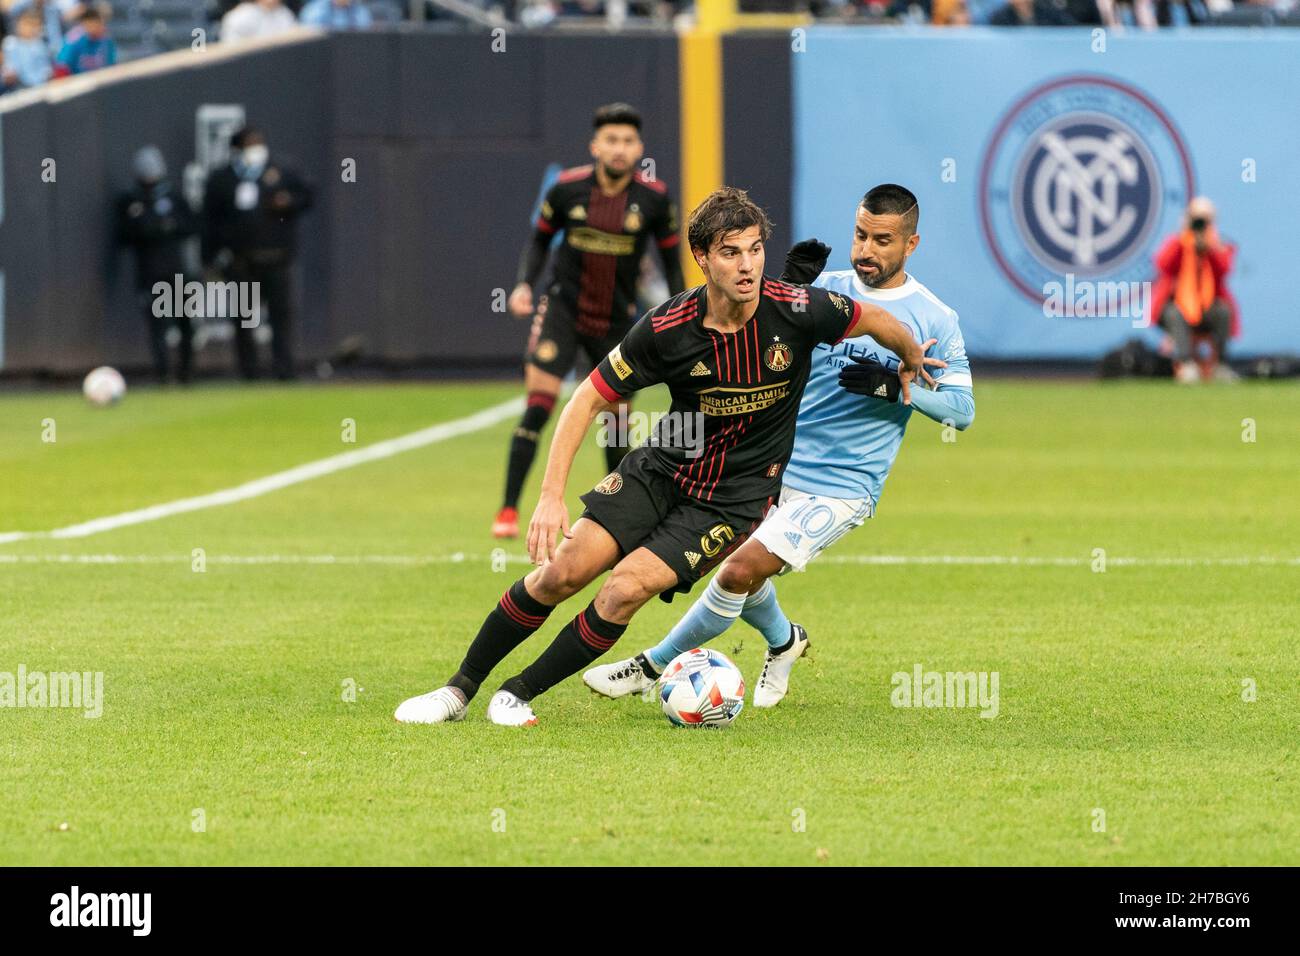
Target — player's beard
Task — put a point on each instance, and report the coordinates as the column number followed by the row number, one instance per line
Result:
column 882, row 275
column 612, row 173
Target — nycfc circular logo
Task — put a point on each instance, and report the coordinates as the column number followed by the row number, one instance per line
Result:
column 1081, row 177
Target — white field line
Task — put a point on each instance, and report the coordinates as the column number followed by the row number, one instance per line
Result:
column 261, row 486
column 460, row 557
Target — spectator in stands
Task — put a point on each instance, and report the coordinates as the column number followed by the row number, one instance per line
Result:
column 26, row 53
column 336, row 14
column 1191, row 294
column 1085, row 12
column 1141, row 13
column 1031, row 13
column 950, row 13
column 250, row 210
column 257, row 18
column 50, row 18
column 91, row 48
column 155, row 220
column 8, row 76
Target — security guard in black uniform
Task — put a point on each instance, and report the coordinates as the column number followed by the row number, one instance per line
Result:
column 251, row 207
column 155, row 221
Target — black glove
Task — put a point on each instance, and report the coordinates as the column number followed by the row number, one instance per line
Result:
column 805, row 261
column 868, row 377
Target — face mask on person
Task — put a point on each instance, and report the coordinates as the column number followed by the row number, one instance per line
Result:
column 255, row 156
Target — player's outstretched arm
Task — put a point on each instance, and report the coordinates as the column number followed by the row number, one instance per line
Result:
column 551, row 517
column 948, row 404
column 895, row 336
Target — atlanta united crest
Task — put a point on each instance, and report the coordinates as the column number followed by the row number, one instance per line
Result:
column 777, row 357
column 610, row 484
column 1082, row 176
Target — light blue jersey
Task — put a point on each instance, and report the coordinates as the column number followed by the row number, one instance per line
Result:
column 845, row 444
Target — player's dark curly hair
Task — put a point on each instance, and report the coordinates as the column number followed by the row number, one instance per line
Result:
column 725, row 210
column 889, row 199
column 620, row 113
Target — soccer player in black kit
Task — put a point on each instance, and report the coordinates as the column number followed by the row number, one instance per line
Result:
column 608, row 212
column 736, row 352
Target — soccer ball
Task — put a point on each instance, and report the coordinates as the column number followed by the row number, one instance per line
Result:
column 701, row 688
column 104, row 386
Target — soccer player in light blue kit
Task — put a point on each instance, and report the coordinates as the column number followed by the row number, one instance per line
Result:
column 849, row 430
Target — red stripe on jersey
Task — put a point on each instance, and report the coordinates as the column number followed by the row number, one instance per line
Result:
column 574, row 173
column 599, row 270
column 782, row 297
column 687, row 479
column 853, row 320
column 668, row 242
column 660, row 323
column 722, row 464
column 696, row 476
column 744, row 340
column 758, row 371
column 607, row 393
column 690, row 305
column 676, row 317
column 672, row 325
column 544, row 226
column 717, row 362
column 657, row 185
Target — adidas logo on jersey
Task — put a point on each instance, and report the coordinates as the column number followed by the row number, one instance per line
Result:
column 693, row 557
column 700, row 369
column 881, row 391
column 794, row 538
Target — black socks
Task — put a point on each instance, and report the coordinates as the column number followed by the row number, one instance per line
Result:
column 516, row 616
column 523, row 444
column 581, row 641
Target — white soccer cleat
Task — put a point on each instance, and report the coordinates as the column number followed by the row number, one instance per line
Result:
column 619, row 679
column 507, row 710
column 441, row 706
column 775, row 679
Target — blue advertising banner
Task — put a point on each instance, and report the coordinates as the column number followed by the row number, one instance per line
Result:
column 1051, row 164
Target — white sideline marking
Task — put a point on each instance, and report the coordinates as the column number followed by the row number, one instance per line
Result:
column 460, row 557
column 260, row 486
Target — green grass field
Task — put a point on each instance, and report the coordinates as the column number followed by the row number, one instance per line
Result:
column 224, row 691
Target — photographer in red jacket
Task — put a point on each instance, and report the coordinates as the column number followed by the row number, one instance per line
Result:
column 1191, row 293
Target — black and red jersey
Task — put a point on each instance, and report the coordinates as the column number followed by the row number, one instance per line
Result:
column 597, row 263
column 743, row 387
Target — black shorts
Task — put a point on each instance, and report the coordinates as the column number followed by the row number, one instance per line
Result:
column 643, row 508
column 554, row 340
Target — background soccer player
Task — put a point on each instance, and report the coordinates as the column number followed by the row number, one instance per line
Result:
column 849, row 430
column 736, row 352
column 607, row 211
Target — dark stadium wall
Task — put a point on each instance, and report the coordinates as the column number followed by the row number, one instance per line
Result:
column 450, row 164
column 757, row 128
column 450, row 139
